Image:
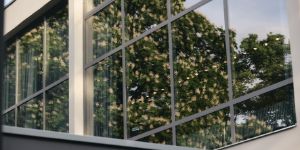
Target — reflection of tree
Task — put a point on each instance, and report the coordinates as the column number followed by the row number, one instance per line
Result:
column 8, row 71
column 200, row 64
column 30, row 114
column 208, row 132
column 108, row 100
column 57, row 45
column 200, row 70
column 143, row 15
column 31, row 62
column 57, row 112
column 106, row 27
column 148, row 83
column 260, row 63
column 32, row 69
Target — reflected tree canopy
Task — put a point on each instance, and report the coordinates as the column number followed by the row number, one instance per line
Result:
column 200, row 74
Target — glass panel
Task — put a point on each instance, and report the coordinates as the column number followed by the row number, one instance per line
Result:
column 265, row 113
column 163, row 137
column 261, row 50
column 57, row 108
column 181, row 5
column 141, row 16
column 90, row 4
column 30, row 114
column 31, row 62
column 57, row 46
column 148, row 82
column 200, row 67
column 8, row 88
column 106, row 31
column 209, row 132
column 108, row 97
column 9, row 118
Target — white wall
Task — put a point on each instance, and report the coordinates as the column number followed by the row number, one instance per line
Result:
column 19, row 11
column 289, row 139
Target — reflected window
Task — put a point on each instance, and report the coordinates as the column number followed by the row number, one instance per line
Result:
column 141, row 16
column 57, row 46
column 208, row 132
column 200, row 67
column 31, row 62
column 8, row 87
column 57, row 108
column 265, row 113
column 8, row 119
column 163, row 137
column 260, row 48
column 108, row 97
column 104, row 31
column 148, row 83
column 30, row 114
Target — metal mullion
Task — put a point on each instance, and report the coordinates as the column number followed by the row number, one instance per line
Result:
column 97, row 9
column 8, row 109
column 229, row 71
column 216, row 108
column 45, row 54
column 124, row 72
column 169, row 5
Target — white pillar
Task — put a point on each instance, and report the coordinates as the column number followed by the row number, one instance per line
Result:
column 76, row 67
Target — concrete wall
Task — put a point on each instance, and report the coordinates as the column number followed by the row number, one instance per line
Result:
column 15, row 142
column 20, row 10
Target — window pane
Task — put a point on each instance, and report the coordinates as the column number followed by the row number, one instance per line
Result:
column 181, row 5
column 265, row 113
column 30, row 114
column 57, row 46
column 108, row 97
column 261, row 50
column 57, row 108
column 106, row 31
column 163, row 137
column 90, row 4
column 8, row 88
column 208, row 132
column 148, row 82
column 141, row 16
column 200, row 67
column 9, row 118
column 31, row 62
